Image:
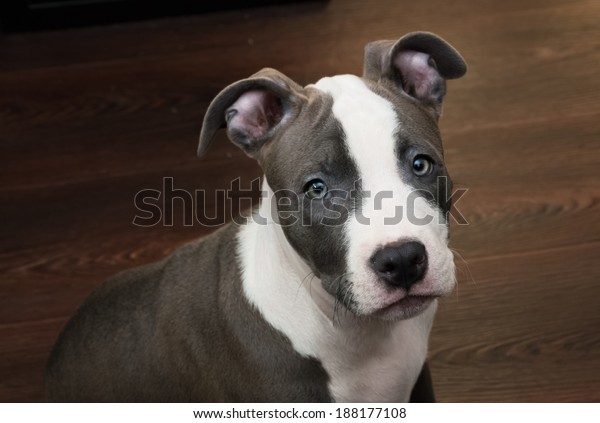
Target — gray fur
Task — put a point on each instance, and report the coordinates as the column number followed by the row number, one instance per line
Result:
column 166, row 332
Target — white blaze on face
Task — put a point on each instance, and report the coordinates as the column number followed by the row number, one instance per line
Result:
column 389, row 213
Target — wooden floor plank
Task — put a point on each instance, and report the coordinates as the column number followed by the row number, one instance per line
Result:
column 534, row 340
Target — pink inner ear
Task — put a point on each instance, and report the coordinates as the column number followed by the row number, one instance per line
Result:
column 420, row 79
column 254, row 113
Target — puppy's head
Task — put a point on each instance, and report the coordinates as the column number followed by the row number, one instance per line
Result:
column 355, row 166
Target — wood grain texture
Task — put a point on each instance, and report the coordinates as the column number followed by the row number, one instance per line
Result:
column 90, row 117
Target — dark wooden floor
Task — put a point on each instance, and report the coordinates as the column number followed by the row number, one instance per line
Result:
column 89, row 117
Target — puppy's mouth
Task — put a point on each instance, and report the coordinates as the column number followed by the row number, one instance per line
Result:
column 406, row 307
column 395, row 304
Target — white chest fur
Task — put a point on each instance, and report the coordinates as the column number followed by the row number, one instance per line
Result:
column 374, row 363
column 368, row 360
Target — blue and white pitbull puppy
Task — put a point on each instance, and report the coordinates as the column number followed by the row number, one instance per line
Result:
column 328, row 292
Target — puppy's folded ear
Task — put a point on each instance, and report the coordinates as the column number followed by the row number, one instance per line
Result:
column 418, row 64
column 253, row 110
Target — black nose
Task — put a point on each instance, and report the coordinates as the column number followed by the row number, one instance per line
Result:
column 401, row 265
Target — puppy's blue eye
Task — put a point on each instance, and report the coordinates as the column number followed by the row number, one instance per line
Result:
column 315, row 188
column 422, row 165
